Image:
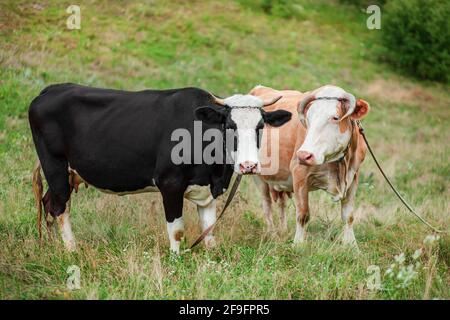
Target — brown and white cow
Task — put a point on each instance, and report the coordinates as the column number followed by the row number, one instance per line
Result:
column 319, row 148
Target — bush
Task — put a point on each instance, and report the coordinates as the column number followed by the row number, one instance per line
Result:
column 416, row 36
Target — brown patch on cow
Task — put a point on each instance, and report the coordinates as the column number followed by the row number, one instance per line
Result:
column 279, row 195
column 345, row 123
column 178, row 235
column 303, row 218
column 60, row 220
column 350, row 220
column 38, row 191
column 75, row 180
column 305, row 111
column 47, row 203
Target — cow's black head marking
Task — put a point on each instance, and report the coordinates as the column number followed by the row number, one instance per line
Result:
column 243, row 118
column 276, row 118
column 212, row 115
column 221, row 115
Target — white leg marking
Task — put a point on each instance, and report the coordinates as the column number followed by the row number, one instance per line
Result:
column 66, row 229
column 207, row 215
column 301, row 212
column 300, row 233
column 348, row 237
column 175, row 230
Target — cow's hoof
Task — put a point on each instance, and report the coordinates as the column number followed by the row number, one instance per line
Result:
column 349, row 240
column 298, row 242
column 283, row 228
column 175, row 248
column 351, row 246
column 210, row 242
column 270, row 228
column 300, row 237
column 70, row 246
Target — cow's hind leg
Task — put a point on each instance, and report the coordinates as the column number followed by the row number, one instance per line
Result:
column 347, row 207
column 57, row 199
column 65, row 228
column 38, row 191
column 49, row 219
column 282, row 205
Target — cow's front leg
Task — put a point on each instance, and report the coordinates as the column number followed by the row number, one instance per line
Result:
column 347, row 208
column 282, row 204
column 207, row 215
column 266, row 202
column 173, row 208
column 267, row 206
column 302, row 212
column 175, row 230
column 300, row 186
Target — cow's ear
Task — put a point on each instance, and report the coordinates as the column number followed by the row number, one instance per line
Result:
column 276, row 118
column 210, row 115
column 361, row 109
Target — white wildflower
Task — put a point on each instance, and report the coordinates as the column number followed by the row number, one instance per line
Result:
column 417, row 254
column 430, row 239
column 400, row 258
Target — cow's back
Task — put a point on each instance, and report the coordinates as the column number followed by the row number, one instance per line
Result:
column 116, row 140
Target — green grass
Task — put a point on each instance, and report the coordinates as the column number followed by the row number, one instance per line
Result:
column 225, row 47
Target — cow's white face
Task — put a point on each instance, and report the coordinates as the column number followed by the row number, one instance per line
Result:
column 248, row 123
column 243, row 114
column 329, row 127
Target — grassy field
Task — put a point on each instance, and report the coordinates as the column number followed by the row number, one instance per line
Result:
column 225, row 47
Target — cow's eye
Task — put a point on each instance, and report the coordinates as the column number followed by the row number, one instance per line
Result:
column 335, row 118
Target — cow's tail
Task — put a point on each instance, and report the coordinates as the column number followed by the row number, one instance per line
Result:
column 38, row 190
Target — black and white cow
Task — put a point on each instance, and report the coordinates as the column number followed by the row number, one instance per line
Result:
column 122, row 142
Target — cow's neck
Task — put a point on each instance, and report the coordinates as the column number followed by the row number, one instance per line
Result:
column 346, row 166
